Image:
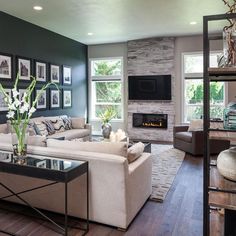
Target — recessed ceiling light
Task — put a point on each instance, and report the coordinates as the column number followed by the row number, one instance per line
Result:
column 193, row 23
column 38, row 8
column 90, row 34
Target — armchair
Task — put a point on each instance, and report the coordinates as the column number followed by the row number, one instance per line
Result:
column 193, row 142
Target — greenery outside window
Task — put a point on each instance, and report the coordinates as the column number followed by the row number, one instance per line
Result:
column 193, row 88
column 106, row 83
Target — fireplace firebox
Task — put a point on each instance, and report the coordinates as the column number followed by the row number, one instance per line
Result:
column 141, row 120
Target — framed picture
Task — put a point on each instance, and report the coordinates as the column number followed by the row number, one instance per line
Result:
column 24, row 68
column 42, row 164
column 21, row 94
column 3, row 104
column 67, row 98
column 5, row 66
column 42, row 101
column 41, row 71
column 55, row 99
column 67, row 80
column 55, row 73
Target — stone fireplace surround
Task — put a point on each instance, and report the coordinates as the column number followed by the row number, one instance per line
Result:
column 154, row 56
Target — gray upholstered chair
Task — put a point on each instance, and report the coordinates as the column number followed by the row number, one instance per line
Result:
column 193, row 142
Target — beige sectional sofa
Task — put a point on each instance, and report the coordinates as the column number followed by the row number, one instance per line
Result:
column 80, row 130
column 118, row 189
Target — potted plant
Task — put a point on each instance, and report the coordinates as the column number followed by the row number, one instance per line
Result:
column 106, row 117
column 19, row 113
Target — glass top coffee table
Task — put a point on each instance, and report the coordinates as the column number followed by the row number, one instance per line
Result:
column 48, row 168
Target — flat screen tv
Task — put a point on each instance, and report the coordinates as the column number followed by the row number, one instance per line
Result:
column 151, row 87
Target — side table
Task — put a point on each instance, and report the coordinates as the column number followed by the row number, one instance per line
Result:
column 56, row 170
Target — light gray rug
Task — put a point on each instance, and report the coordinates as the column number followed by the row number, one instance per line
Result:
column 166, row 163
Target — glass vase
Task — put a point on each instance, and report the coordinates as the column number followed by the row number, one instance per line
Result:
column 229, row 46
column 19, row 140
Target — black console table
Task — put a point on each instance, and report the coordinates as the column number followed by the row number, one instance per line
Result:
column 56, row 170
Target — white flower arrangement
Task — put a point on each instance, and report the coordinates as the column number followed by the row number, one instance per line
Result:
column 19, row 109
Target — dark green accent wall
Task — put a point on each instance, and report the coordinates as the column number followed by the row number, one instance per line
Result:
column 21, row 38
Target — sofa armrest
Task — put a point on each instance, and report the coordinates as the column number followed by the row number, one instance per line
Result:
column 180, row 128
column 89, row 127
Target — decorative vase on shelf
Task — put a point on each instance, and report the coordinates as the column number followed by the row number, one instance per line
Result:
column 226, row 164
column 229, row 45
column 20, row 135
column 230, row 116
column 106, row 130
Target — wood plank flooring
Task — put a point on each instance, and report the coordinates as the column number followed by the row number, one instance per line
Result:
column 179, row 215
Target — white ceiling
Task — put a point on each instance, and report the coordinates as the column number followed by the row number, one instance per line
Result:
column 116, row 20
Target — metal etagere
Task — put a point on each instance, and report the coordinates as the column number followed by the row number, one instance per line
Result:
column 218, row 192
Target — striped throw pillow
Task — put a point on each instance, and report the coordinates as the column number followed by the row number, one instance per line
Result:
column 58, row 125
column 67, row 122
column 41, row 128
column 50, row 127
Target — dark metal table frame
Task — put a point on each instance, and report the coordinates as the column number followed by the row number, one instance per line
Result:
column 65, row 181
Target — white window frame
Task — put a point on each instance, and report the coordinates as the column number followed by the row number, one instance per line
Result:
column 105, row 78
column 194, row 75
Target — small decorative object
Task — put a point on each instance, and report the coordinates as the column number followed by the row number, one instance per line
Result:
column 67, row 98
column 230, row 116
column 24, row 68
column 55, row 99
column 67, row 75
column 106, row 118
column 5, row 66
column 41, row 71
column 229, row 38
column 55, row 73
column 226, row 164
column 19, row 113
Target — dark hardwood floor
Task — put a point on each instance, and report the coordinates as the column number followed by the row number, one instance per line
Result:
column 179, row 215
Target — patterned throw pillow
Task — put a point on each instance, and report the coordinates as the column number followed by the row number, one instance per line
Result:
column 58, row 125
column 50, row 127
column 41, row 128
column 67, row 122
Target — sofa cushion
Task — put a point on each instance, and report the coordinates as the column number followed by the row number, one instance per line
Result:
column 78, row 122
column 32, row 140
column 195, row 125
column 185, row 136
column 119, row 148
column 50, row 127
column 40, row 128
column 4, row 128
column 67, row 122
column 58, row 125
column 72, row 134
column 135, row 151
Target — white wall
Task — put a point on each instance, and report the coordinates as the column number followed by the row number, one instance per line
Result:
column 111, row 50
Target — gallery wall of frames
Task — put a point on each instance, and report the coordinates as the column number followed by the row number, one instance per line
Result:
column 28, row 49
column 43, row 72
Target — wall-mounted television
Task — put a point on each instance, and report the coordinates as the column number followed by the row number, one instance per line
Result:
column 150, row 87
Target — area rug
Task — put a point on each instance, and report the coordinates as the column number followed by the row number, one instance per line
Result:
column 166, row 163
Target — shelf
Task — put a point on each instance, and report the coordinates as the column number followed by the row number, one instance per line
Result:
column 229, row 71
column 222, row 200
column 216, row 223
column 222, row 78
column 217, row 180
column 222, row 130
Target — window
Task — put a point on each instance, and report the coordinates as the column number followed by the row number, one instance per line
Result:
column 193, row 88
column 106, row 83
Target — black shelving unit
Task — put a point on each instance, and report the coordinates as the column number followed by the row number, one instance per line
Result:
column 218, row 192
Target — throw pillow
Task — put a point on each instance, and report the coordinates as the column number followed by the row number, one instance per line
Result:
column 41, row 128
column 67, row 122
column 100, row 147
column 78, row 122
column 58, row 125
column 195, row 125
column 50, row 127
column 135, row 151
column 59, row 138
